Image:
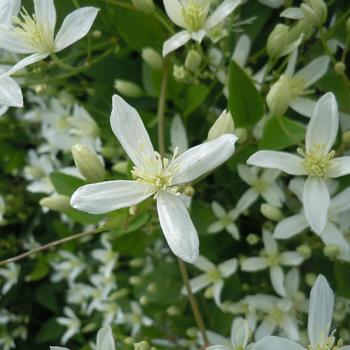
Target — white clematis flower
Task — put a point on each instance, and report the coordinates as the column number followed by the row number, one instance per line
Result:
column 193, row 16
column 156, row 176
column 317, row 162
column 71, row 322
column 212, row 276
column 319, row 324
column 273, row 260
column 35, row 35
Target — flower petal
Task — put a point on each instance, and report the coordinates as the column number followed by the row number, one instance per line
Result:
column 247, row 174
column 45, row 14
column 130, row 131
column 290, row 227
column 9, row 41
column 277, row 280
column 10, row 93
column 203, row 264
column 221, row 12
column 320, row 311
column 228, row 267
column 176, row 41
column 199, row 282
column 240, row 333
column 8, row 10
column 203, row 158
column 177, row 227
column 324, row 123
column 254, row 264
column 272, row 3
column 178, row 135
column 284, row 161
column 75, row 26
column 293, row 13
column 106, row 196
column 303, row 106
column 269, row 243
column 242, row 50
column 105, row 340
column 340, row 203
column 316, row 203
column 340, row 167
column 174, row 10
column 218, row 210
column 215, row 227
column 27, row 61
column 247, row 199
column 291, row 259
column 277, row 343
column 273, row 195
column 290, row 327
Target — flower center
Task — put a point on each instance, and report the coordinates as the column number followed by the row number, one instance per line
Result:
column 317, row 162
column 194, row 15
column 328, row 344
column 260, row 186
column 214, row 274
column 296, row 86
column 273, row 260
column 276, row 316
column 30, row 31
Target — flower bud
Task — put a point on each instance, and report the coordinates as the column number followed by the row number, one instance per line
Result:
column 142, row 346
column 189, row 191
column 271, row 212
column 40, row 89
column 279, row 96
column 304, row 250
column 315, row 12
column 128, row 340
column 56, row 202
column 346, row 137
column 146, row 6
column 193, row 61
column 192, row 332
column 96, row 34
column 242, row 134
column 152, row 288
column 88, row 163
column 277, row 40
column 253, row 239
column 152, row 58
column 180, row 74
column 339, row 68
column 173, row 310
column 128, row 88
column 209, row 293
column 135, row 280
column 223, row 125
column 121, row 167
column 310, row 279
column 136, row 263
column 144, row 300
column 331, row 250
column 133, row 210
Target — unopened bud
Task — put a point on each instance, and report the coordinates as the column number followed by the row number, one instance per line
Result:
column 310, row 279
column 346, row 137
column 128, row 88
column 152, row 288
column 279, row 96
column 138, row 262
column 193, row 61
column 133, row 210
column 339, row 68
column 88, row 163
column 331, row 251
column 173, row 311
column 223, row 125
column 144, row 300
column 315, row 12
column 189, row 191
column 253, row 239
column 277, row 40
column 146, row 6
column 128, row 340
column 56, row 202
column 152, row 58
column 209, row 293
column 121, row 167
column 96, row 34
column 180, row 74
column 40, row 89
column 192, row 332
column 304, row 250
column 242, row 134
column 135, row 280
column 271, row 212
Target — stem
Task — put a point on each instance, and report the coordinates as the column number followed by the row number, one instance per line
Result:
column 61, row 64
column 161, row 140
column 50, row 245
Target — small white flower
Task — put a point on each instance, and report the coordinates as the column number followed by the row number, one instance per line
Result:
column 319, row 323
column 318, row 162
column 10, row 275
column 213, row 276
column 71, row 322
column 273, row 260
column 193, row 16
column 156, row 176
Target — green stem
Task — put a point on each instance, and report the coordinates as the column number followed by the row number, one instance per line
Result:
column 61, row 64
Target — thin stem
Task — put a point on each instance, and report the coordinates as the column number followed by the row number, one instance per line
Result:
column 76, row 3
column 121, row 4
column 50, row 245
column 325, row 45
column 61, row 64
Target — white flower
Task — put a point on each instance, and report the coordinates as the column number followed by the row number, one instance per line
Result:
column 331, row 234
column 193, row 16
column 213, row 276
column 273, row 259
column 35, row 35
column 105, row 340
column 225, row 221
column 319, row 324
column 71, row 322
column 240, row 334
column 156, row 176
column 10, row 274
column 318, row 162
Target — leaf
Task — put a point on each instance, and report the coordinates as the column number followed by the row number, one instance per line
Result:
column 281, row 132
column 196, row 94
column 40, row 270
column 245, row 102
column 51, row 330
column 45, row 296
column 65, row 184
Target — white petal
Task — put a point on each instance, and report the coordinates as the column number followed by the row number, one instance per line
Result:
column 247, row 199
column 314, row 71
column 199, row 283
column 8, row 10
column 75, row 26
column 273, row 195
column 27, row 61
column 203, row 264
column 242, row 50
column 292, row 281
column 178, row 135
column 215, row 227
column 218, row 210
column 45, row 14
column 277, row 343
column 129, row 129
column 265, row 328
column 324, row 123
column 217, row 289
column 106, row 196
column 198, row 36
column 240, row 333
column 228, row 267
column 270, row 175
column 293, row 13
column 221, row 12
column 316, row 203
column 247, row 174
column 290, row 327
column 277, row 280
column 291, row 259
column 272, row 3
column 105, row 339
column 269, row 243
column 320, row 311
column 203, row 158
column 296, row 186
column 177, row 227
column 174, row 10
column 303, row 106
column 290, row 227
column 233, row 231
column 331, row 235
column 340, row 203
column 10, row 41
column 254, row 264
column 176, row 41
column 340, row 167
column 219, row 347
column 284, row 161
column 10, row 93
column 292, row 62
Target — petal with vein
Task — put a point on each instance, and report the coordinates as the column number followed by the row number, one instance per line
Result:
column 8, row 10
column 221, row 12
column 176, row 41
column 277, row 280
column 105, row 339
column 174, row 11
column 290, row 227
column 277, row 343
column 45, row 14
column 340, row 167
column 10, row 93
column 314, row 71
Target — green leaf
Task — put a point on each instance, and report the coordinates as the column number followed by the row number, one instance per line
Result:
column 65, row 184
column 245, row 103
column 45, row 296
column 40, row 270
column 51, row 330
column 281, row 132
column 196, row 94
